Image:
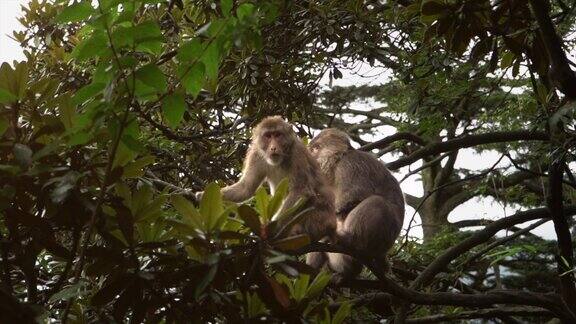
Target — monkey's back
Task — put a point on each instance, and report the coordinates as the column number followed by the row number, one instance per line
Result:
column 359, row 175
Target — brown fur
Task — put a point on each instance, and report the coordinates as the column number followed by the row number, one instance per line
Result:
column 368, row 200
column 273, row 159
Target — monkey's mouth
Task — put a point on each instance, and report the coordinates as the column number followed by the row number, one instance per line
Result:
column 275, row 158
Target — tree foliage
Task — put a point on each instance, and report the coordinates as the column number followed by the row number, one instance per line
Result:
column 123, row 107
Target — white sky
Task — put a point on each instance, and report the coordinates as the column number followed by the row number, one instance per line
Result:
column 485, row 208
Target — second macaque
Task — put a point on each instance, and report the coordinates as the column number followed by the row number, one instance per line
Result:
column 276, row 153
column 368, row 200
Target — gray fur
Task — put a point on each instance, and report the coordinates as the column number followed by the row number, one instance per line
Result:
column 368, row 200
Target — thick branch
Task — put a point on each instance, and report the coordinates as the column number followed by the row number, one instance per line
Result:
column 560, row 72
column 411, row 200
column 482, row 313
column 480, row 237
column 551, row 302
column 467, row 141
column 565, row 259
column 383, row 143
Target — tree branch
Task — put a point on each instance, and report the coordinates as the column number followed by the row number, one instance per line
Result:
column 482, row 313
column 383, row 143
column 560, row 72
column 467, row 141
column 440, row 263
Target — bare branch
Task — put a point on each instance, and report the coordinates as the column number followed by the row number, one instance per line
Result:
column 468, row 141
column 383, row 143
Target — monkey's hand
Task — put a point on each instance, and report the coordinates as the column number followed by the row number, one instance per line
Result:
column 199, row 195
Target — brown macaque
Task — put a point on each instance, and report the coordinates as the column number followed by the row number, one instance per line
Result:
column 276, row 153
column 368, row 200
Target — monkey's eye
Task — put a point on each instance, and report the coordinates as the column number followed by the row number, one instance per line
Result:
column 267, row 135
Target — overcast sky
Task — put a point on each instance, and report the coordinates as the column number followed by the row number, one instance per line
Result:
column 486, row 208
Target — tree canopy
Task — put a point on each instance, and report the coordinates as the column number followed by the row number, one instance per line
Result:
column 122, row 108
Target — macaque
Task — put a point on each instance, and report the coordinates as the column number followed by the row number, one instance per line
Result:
column 276, row 153
column 368, row 200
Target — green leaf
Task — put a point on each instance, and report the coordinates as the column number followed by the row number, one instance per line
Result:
column 217, row 223
column 208, row 278
column 507, row 59
column 134, row 169
column 92, row 46
column 68, row 292
column 140, row 199
column 261, row 205
column 124, row 155
column 226, row 6
column 148, row 37
column 250, row 218
column 4, row 124
column 76, row 12
column 433, row 7
column 245, row 10
column 147, row 30
column 342, row 312
column 190, row 51
column 188, row 211
column 301, row 287
column 279, row 194
column 66, row 111
column 87, row 92
column 319, row 283
column 173, row 108
column 211, row 205
column 292, row 243
column 6, row 96
column 152, row 76
column 192, row 78
column 211, row 60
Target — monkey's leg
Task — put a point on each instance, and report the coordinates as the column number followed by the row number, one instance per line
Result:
column 316, row 260
column 344, row 267
column 371, row 228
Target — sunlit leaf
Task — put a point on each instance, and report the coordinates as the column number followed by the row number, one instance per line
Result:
column 187, row 209
column 279, row 194
column 75, row 12
column 342, row 313
column 95, row 45
column 318, row 284
column 211, row 203
column 262, row 199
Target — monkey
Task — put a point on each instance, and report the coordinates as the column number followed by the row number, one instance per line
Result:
column 369, row 203
column 275, row 153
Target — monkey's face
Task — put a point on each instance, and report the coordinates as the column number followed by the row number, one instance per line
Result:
column 276, row 145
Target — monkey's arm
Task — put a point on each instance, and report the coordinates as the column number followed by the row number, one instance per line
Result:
column 252, row 176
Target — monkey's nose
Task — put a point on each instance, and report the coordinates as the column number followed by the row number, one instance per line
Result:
column 273, row 149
